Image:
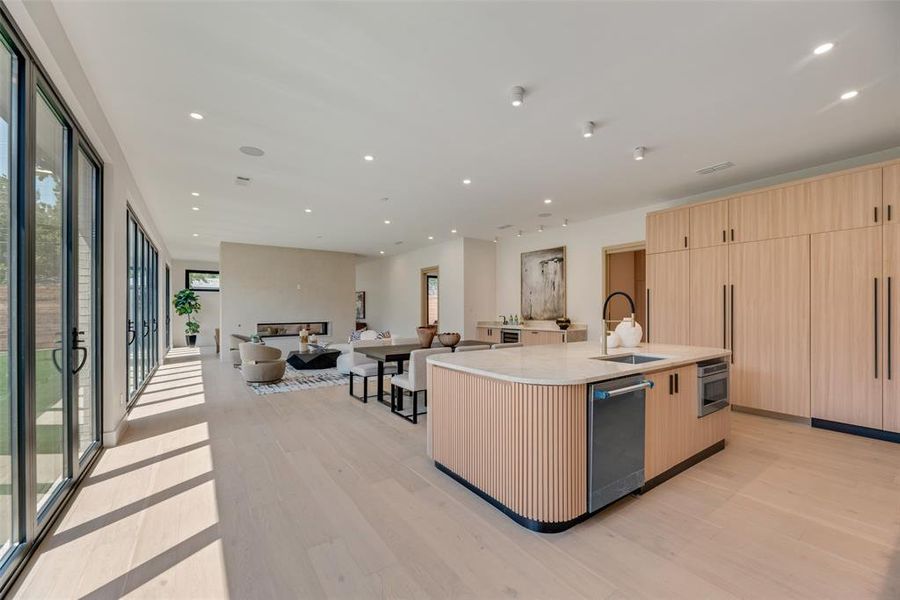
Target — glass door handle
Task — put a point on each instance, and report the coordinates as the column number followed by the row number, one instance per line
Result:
column 146, row 329
column 132, row 332
column 76, row 341
column 155, row 326
column 54, row 354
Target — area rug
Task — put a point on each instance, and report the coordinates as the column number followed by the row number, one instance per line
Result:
column 295, row 380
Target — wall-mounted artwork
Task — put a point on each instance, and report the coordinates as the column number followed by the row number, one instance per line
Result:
column 544, row 284
column 360, row 306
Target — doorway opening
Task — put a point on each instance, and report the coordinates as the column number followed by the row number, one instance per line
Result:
column 430, row 293
column 624, row 269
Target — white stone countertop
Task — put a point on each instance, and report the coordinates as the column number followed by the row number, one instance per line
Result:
column 569, row 364
column 540, row 326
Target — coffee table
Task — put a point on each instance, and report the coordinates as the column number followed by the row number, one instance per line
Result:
column 313, row 359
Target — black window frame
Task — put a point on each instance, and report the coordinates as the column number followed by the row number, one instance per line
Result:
column 187, row 280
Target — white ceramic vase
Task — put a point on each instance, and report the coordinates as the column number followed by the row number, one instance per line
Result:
column 630, row 333
column 612, row 340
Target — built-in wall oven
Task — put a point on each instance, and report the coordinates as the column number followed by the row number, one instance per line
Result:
column 510, row 336
column 712, row 392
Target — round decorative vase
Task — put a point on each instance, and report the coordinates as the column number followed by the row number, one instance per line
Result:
column 612, row 340
column 563, row 323
column 629, row 332
column 426, row 335
column 449, row 340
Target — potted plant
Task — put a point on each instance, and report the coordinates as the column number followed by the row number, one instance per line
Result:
column 187, row 304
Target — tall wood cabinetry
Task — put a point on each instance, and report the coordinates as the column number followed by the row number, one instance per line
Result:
column 786, row 278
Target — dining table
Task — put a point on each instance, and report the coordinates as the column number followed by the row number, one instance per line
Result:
column 399, row 353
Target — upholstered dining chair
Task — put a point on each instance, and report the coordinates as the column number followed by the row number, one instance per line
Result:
column 413, row 381
column 507, row 345
column 261, row 364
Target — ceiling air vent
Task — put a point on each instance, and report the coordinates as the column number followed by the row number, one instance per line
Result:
column 504, row 227
column 714, row 168
column 241, row 180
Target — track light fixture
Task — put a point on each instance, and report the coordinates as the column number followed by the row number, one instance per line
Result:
column 565, row 222
column 517, row 96
column 587, row 130
column 639, row 153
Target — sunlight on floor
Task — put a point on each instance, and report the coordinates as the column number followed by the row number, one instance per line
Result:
column 148, row 511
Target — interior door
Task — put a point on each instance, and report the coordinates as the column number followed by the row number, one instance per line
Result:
column 668, row 297
column 709, row 296
column 846, row 286
column 769, row 325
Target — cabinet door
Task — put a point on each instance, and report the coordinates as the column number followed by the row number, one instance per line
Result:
column 891, row 319
column 709, row 224
column 534, row 338
column 489, row 334
column 667, row 231
column 770, row 214
column 769, row 325
column 709, row 296
column 668, row 298
column 845, row 201
column 891, row 194
column 846, row 278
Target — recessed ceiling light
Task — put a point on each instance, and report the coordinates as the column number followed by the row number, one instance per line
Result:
column 541, row 228
column 387, row 221
column 197, row 116
column 381, row 252
column 548, row 200
column 252, row 150
column 452, row 231
column 430, row 237
column 496, row 240
column 517, row 96
column 195, row 194
column 195, row 208
column 587, row 130
column 368, row 158
column 639, row 153
column 307, row 210
column 823, row 48
column 849, row 94
column 467, row 181
column 196, row 234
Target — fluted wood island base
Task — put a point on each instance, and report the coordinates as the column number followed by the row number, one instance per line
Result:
column 518, row 436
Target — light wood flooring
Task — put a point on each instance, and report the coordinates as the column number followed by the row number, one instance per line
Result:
column 215, row 492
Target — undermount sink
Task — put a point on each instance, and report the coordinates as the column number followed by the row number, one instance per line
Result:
column 630, row 359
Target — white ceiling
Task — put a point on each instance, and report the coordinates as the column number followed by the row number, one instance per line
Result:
column 424, row 87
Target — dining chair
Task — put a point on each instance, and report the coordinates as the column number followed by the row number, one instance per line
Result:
column 414, row 381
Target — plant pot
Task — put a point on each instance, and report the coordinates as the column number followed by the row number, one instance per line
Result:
column 563, row 323
column 449, row 340
column 426, row 335
column 191, row 339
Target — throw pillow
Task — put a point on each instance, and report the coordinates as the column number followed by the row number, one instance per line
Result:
column 355, row 335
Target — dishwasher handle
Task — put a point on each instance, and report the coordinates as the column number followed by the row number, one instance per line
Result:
column 605, row 395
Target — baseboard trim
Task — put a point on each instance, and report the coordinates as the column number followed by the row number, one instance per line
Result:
column 875, row 434
column 111, row 438
column 771, row 414
column 683, row 466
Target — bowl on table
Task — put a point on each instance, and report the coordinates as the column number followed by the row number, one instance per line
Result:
column 449, row 340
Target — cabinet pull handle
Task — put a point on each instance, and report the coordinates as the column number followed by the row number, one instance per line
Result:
column 648, row 315
column 676, row 383
column 671, row 385
column 724, row 316
column 876, row 214
column 685, row 241
column 875, row 329
column 732, row 323
column 890, row 206
column 732, row 234
column 723, row 236
column 889, row 330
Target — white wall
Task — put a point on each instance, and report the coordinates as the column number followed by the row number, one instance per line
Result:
column 466, row 293
column 260, row 284
column 41, row 27
column 209, row 304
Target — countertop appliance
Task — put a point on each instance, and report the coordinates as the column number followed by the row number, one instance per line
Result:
column 510, row 336
column 712, row 381
column 615, row 439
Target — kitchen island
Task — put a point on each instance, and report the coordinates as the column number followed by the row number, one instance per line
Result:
column 514, row 425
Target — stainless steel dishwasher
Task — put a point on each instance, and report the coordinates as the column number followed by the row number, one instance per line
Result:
column 615, row 439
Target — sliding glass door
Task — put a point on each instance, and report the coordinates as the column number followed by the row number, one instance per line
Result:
column 50, row 283
column 142, row 350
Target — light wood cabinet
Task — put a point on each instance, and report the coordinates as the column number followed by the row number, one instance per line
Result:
column 845, row 201
column 891, row 321
column 891, row 193
column 489, row 335
column 769, row 214
column 709, row 224
column 534, row 338
column 668, row 298
column 673, row 431
column 770, row 325
column 846, row 342
column 668, row 230
column 708, row 296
